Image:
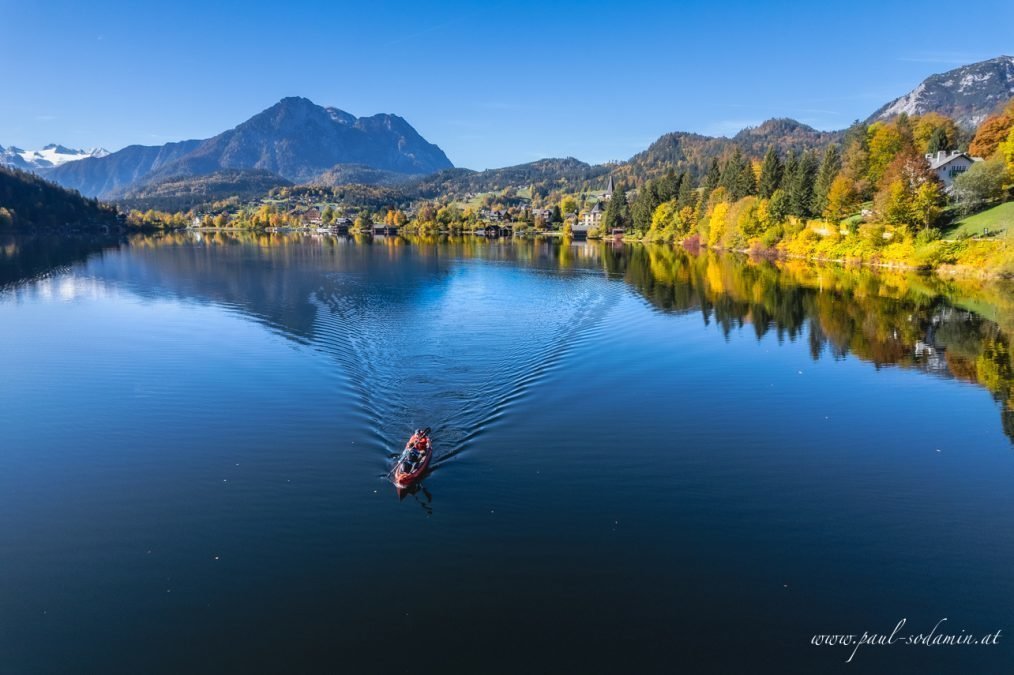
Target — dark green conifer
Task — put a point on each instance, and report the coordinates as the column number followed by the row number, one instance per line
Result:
column 771, row 174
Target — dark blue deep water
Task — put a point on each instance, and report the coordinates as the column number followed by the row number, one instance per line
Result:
column 646, row 461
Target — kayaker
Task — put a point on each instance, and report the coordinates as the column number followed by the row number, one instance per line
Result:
column 420, row 440
column 415, row 450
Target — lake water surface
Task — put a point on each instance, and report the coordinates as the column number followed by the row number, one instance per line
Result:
column 646, row 461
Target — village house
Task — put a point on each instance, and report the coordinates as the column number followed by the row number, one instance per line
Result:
column 310, row 217
column 492, row 215
column 949, row 165
column 493, row 230
column 594, row 217
column 545, row 214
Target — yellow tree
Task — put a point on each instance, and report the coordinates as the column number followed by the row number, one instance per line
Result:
column 885, row 142
column 924, row 126
column 748, row 221
column 717, row 225
column 665, row 222
column 687, row 219
column 925, row 209
column 1007, row 152
column 894, row 203
column 568, row 205
column 841, row 199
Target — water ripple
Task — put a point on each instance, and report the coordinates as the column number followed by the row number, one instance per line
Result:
column 457, row 353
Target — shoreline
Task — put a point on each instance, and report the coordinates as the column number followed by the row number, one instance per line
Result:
column 946, row 271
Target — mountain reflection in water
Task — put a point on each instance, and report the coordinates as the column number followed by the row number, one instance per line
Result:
column 960, row 329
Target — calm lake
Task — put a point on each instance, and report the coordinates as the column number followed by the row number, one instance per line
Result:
column 646, row 460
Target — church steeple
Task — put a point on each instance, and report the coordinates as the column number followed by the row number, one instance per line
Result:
column 609, row 189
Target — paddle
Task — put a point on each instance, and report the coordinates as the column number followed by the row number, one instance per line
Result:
column 396, row 465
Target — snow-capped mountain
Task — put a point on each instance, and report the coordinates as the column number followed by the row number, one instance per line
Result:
column 967, row 94
column 49, row 157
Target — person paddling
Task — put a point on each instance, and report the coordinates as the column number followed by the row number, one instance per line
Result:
column 417, row 447
column 413, row 460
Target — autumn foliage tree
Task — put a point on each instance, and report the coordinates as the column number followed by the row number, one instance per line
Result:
column 991, row 133
column 885, row 141
column 1007, row 152
column 933, row 131
column 909, row 194
column 568, row 205
column 841, row 199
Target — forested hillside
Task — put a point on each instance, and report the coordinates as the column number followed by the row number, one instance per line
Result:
column 29, row 202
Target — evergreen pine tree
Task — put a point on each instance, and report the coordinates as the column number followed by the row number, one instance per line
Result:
column 687, row 194
column 938, row 141
column 730, row 167
column 712, row 177
column 669, row 186
column 746, row 181
column 647, row 200
column 789, row 171
column 617, row 211
column 737, row 176
column 830, row 166
column 771, row 174
column 801, row 186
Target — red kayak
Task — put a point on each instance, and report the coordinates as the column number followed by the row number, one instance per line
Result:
column 414, row 460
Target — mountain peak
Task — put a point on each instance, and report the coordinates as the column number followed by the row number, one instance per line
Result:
column 49, row 157
column 967, row 94
column 295, row 101
column 777, row 125
column 295, row 138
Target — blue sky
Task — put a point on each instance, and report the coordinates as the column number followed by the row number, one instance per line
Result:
column 491, row 83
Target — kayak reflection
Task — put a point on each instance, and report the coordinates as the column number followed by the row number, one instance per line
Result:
column 420, row 494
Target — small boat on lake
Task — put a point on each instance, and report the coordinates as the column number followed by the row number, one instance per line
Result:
column 414, row 459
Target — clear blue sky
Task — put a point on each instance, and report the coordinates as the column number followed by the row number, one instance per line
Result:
column 491, row 83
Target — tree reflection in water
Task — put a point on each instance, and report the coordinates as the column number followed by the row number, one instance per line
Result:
column 959, row 329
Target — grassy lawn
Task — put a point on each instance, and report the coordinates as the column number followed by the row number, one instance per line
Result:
column 474, row 202
column 999, row 220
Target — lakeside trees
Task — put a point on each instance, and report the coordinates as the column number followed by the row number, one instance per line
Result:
column 28, row 201
column 875, row 189
column 781, row 186
column 617, row 211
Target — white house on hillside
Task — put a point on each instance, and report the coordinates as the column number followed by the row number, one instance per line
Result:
column 594, row 217
column 949, row 165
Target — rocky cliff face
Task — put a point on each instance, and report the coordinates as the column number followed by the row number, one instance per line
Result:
column 967, row 94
